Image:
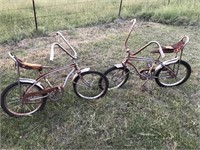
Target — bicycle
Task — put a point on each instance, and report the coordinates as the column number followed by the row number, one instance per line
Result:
column 27, row 96
column 169, row 73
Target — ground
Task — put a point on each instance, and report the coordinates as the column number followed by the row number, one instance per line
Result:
column 124, row 118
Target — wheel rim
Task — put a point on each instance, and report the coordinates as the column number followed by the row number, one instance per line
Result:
column 173, row 77
column 89, row 86
column 14, row 104
column 116, row 78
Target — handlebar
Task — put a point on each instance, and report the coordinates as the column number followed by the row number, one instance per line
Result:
column 159, row 47
column 151, row 42
column 131, row 29
column 12, row 56
column 60, row 46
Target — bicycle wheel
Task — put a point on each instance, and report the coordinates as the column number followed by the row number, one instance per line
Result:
column 12, row 104
column 117, row 76
column 173, row 74
column 87, row 85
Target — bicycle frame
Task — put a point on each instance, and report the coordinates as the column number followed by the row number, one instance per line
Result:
column 132, row 56
column 153, row 65
column 75, row 69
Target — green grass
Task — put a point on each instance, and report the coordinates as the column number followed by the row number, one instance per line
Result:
column 125, row 118
column 17, row 21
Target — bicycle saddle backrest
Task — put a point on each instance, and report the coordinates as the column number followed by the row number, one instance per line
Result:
column 175, row 48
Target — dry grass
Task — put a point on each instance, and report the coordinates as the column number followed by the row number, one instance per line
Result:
column 126, row 118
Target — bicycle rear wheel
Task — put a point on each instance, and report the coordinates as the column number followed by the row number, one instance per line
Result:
column 173, row 74
column 116, row 76
column 87, row 85
column 12, row 104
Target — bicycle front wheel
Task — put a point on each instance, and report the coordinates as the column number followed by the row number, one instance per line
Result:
column 87, row 85
column 12, row 104
column 117, row 76
column 173, row 74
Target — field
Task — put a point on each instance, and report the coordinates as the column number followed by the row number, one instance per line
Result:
column 125, row 118
column 17, row 19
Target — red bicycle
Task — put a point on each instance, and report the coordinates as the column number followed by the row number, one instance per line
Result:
column 26, row 96
column 168, row 73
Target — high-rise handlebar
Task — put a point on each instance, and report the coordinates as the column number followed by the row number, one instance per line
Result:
column 129, row 33
column 73, row 56
column 151, row 42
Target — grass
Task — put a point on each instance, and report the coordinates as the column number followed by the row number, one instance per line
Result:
column 125, row 118
column 17, row 21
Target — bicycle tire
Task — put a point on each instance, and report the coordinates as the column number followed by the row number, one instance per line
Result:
column 87, row 85
column 8, row 100
column 164, row 79
column 112, row 74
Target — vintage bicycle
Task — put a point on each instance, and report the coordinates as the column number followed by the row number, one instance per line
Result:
column 172, row 72
column 26, row 96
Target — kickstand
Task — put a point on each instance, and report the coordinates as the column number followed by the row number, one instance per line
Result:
column 143, row 86
column 149, row 88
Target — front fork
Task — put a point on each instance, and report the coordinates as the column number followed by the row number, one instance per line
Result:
column 81, row 77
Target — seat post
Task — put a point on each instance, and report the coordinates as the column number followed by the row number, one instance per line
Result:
column 18, row 78
column 18, row 71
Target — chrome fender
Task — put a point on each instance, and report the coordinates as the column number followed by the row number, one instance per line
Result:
column 118, row 65
column 32, row 81
column 83, row 70
column 171, row 61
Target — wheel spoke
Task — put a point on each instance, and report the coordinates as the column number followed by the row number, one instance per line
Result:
column 88, row 86
column 117, row 77
column 173, row 74
column 12, row 104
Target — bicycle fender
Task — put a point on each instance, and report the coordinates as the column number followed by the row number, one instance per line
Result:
column 32, row 81
column 167, row 62
column 83, row 70
column 118, row 65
